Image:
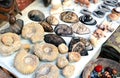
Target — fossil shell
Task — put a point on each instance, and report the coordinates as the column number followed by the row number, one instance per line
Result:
column 54, row 39
column 47, row 27
column 52, row 20
column 47, row 71
column 63, row 30
column 46, row 52
column 9, row 43
column 34, row 32
column 63, row 48
column 62, row 62
column 36, row 15
column 69, row 17
column 74, row 56
column 68, row 71
column 25, row 63
column 80, row 28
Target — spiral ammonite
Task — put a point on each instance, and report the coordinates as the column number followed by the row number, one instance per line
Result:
column 47, row 71
column 25, row 62
column 34, row 32
column 46, row 51
column 9, row 43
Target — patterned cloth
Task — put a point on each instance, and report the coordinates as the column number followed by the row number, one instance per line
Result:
column 114, row 40
column 111, row 48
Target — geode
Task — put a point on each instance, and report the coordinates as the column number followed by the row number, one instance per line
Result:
column 112, row 3
column 80, row 48
column 99, row 13
column 80, row 29
column 54, row 39
column 75, row 40
column 69, row 17
column 63, row 30
column 104, row 8
column 87, row 19
column 86, row 11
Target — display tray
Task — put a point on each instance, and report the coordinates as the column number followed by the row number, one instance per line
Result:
column 100, row 61
column 8, row 61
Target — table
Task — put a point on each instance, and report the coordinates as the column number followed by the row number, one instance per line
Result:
column 7, row 62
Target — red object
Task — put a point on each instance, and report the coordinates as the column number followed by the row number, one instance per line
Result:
column 98, row 68
column 22, row 4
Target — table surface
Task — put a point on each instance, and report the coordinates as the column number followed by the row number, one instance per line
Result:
column 7, row 62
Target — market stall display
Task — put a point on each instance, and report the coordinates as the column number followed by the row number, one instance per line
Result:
column 50, row 46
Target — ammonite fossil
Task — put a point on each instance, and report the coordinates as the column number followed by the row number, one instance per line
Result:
column 36, row 15
column 63, row 30
column 34, row 32
column 9, row 43
column 69, row 17
column 47, row 27
column 74, row 56
column 47, row 71
column 25, row 62
column 46, row 52
column 80, row 29
column 54, row 39
column 62, row 62
column 68, row 71
column 52, row 20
